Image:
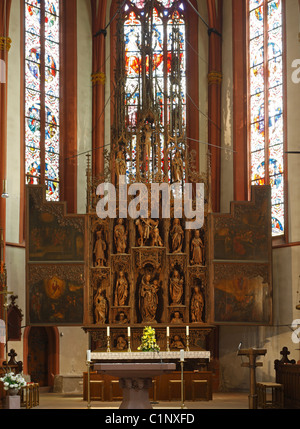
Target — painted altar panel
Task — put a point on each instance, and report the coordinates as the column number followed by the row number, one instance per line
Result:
column 52, row 234
column 240, row 272
column 55, row 262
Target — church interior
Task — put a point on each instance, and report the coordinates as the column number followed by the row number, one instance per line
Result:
column 149, row 185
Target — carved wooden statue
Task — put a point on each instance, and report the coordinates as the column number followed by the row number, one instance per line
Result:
column 100, row 307
column 176, row 288
column 120, row 236
column 176, row 317
column 148, row 298
column 177, row 236
column 99, row 250
column 197, row 305
column 197, row 249
column 145, row 228
column 177, row 168
column 120, row 165
column 121, row 292
column 156, row 238
column 176, row 342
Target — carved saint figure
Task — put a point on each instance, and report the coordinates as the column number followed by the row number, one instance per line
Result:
column 177, row 168
column 100, row 307
column 120, row 237
column 148, row 134
column 121, row 292
column 176, row 318
column 121, row 318
column 176, row 288
column 148, row 298
column 120, row 165
column 145, row 227
column 196, row 248
column 156, row 238
column 99, row 250
column 177, row 235
column 177, row 343
column 121, row 343
column 197, row 305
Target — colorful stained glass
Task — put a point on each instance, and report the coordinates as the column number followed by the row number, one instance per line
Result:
column 52, row 27
column 256, row 51
column 34, row 86
column 36, row 3
column 32, row 161
column 32, row 19
column 266, row 101
column 274, row 14
column 257, row 136
column 258, row 165
column 257, row 107
column 276, row 160
column 275, row 72
column 52, row 6
column 52, row 190
column 257, row 79
column 277, row 220
column 256, row 23
column 253, row 4
column 32, row 134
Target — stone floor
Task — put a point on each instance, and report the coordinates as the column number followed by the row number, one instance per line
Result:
column 220, row 401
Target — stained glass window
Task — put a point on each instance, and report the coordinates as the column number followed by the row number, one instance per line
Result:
column 152, row 73
column 266, row 103
column 42, row 95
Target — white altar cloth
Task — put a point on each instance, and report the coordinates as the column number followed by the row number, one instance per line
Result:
column 149, row 355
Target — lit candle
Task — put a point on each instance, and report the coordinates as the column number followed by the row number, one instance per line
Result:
column 181, row 355
column 168, row 331
column 107, row 329
column 88, row 355
column 128, row 331
column 187, row 330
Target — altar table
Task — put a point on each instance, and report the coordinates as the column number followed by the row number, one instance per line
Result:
column 162, row 355
column 135, row 380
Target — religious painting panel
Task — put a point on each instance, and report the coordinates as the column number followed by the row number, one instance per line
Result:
column 53, row 235
column 242, row 293
column 55, row 294
column 244, row 234
column 240, row 273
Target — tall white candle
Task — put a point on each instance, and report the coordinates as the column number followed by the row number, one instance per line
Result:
column 168, row 331
column 107, row 330
column 128, row 331
column 187, row 330
column 88, row 355
column 181, row 355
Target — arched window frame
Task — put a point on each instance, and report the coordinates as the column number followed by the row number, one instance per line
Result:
column 267, row 179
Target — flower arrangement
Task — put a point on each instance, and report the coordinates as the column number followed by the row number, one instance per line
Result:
column 12, row 381
column 148, row 341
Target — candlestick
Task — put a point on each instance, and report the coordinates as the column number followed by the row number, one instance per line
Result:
column 181, row 355
column 88, row 364
column 88, row 355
